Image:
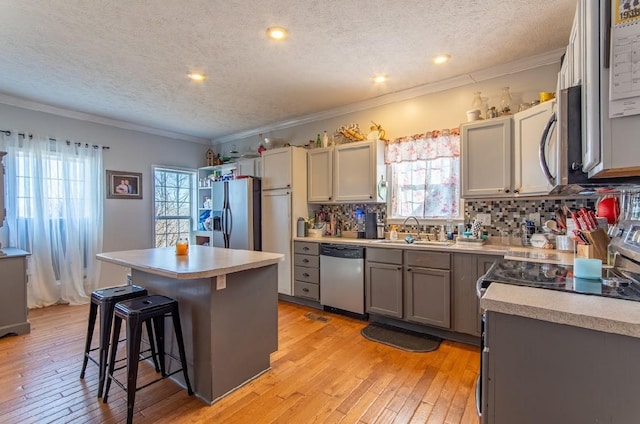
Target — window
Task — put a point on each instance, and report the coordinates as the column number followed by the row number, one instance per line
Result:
column 173, row 205
column 425, row 176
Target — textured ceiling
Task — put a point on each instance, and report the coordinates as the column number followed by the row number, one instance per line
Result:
column 128, row 60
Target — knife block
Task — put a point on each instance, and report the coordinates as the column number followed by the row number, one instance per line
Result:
column 597, row 247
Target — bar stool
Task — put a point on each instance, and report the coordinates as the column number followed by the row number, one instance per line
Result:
column 135, row 312
column 106, row 299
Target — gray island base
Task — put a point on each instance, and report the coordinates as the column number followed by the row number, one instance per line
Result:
column 228, row 308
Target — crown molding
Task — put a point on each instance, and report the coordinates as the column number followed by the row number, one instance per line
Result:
column 83, row 116
column 532, row 62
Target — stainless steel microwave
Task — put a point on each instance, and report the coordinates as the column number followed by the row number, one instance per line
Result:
column 567, row 176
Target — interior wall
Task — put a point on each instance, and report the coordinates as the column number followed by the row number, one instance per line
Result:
column 128, row 223
column 444, row 109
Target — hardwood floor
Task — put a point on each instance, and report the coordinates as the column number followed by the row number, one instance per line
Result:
column 323, row 372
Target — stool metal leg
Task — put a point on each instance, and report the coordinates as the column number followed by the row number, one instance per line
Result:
column 183, row 357
column 93, row 312
column 154, row 354
column 117, row 323
column 106, row 316
column 134, row 335
column 158, row 325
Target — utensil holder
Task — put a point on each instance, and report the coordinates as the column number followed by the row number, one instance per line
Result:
column 597, row 247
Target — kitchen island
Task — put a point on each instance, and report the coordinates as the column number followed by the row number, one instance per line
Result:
column 228, row 308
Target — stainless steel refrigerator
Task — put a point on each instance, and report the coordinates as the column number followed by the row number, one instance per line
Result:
column 236, row 214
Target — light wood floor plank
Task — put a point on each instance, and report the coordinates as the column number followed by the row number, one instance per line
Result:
column 323, row 372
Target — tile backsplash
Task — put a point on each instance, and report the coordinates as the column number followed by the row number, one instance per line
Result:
column 507, row 214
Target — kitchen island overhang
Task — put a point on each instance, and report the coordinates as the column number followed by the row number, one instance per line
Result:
column 228, row 307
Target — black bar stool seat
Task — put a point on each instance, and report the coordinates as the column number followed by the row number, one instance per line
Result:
column 135, row 312
column 106, row 299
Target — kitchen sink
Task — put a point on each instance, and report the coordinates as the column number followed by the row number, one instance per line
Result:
column 417, row 243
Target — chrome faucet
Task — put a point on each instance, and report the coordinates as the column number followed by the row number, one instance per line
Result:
column 404, row 225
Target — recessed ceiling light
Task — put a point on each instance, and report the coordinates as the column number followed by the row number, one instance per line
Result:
column 196, row 76
column 277, row 33
column 441, row 58
column 379, row 78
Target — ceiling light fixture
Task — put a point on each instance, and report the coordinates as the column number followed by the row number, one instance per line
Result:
column 277, row 33
column 197, row 77
column 379, row 78
column 441, row 58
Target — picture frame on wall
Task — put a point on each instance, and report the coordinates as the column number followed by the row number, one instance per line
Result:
column 124, row 185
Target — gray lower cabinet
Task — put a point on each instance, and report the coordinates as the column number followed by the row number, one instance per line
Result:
column 383, row 282
column 542, row 372
column 306, row 270
column 466, row 269
column 13, row 283
column 427, row 282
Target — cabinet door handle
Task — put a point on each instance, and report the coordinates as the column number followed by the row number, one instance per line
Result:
column 305, row 274
column 370, row 197
column 506, row 190
column 306, row 290
column 409, row 269
column 329, row 197
column 305, row 261
column 305, row 248
column 516, row 191
column 400, row 268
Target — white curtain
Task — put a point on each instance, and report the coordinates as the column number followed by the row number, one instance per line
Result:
column 54, row 202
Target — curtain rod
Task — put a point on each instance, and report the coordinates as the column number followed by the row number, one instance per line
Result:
column 30, row 136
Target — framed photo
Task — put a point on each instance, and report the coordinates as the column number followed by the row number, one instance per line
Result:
column 124, row 185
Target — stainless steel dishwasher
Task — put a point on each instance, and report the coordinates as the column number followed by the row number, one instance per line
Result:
column 342, row 277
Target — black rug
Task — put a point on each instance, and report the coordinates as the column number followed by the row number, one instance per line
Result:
column 400, row 338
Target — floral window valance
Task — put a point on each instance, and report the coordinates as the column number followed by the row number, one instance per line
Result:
column 430, row 145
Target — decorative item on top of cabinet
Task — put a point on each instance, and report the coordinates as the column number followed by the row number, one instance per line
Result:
column 210, row 157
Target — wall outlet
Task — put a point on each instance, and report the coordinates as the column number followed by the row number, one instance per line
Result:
column 535, row 217
column 485, row 218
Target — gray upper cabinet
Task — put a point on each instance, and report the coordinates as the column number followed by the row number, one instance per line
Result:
column 486, row 156
column 346, row 173
column 383, row 282
column 320, row 171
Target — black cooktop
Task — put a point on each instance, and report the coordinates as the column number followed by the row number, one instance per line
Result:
column 560, row 277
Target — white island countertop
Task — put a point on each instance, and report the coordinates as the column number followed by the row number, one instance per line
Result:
column 201, row 262
column 599, row 313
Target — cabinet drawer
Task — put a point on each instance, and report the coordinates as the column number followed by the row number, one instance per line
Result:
column 428, row 259
column 306, row 260
column 311, row 275
column 306, row 247
column 307, row 290
column 387, row 256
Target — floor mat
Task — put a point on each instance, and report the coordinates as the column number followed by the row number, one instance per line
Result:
column 400, row 338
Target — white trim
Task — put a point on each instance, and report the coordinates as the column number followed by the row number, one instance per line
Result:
column 83, row 116
column 532, row 62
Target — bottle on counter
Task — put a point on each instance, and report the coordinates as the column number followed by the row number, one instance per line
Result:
column 318, row 141
column 325, row 139
column 393, row 234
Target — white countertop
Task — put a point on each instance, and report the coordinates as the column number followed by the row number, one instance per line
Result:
column 201, row 262
column 484, row 249
column 580, row 310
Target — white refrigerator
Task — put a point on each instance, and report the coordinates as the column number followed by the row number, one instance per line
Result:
column 236, row 214
column 284, row 199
